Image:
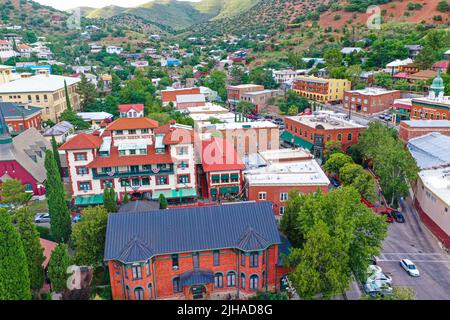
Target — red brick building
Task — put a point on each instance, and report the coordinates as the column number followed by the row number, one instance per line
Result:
column 281, row 171
column 370, row 100
column 222, row 168
column 21, row 117
column 415, row 128
column 314, row 131
column 194, row 253
column 235, row 92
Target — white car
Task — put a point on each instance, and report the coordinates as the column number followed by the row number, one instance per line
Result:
column 410, row 267
column 375, row 273
column 373, row 270
column 42, row 218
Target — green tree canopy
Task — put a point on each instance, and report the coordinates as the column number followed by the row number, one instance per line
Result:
column 12, row 191
column 58, row 264
column 162, row 202
column 336, row 161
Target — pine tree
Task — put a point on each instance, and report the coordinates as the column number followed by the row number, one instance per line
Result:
column 66, row 91
column 60, row 221
column 162, row 202
column 14, row 278
column 109, row 200
column 57, row 267
column 32, row 247
column 56, row 154
column 126, row 198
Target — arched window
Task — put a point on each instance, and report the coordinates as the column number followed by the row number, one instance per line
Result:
column 243, row 280
column 218, row 280
column 176, row 285
column 349, row 137
column 339, row 137
column 127, row 289
column 254, row 282
column 231, row 279
column 139, row 293
column 150, row 291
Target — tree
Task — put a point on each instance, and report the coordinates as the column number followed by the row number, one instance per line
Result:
column 109, row 199
column 397, row 294
column 333, row 57
column 293, row 110
column 56, row 153
column 237, row 74
column 295, row 59
column 32, row 248
column 353, row 174
column 66, row 93
column 293, row 99
column 12, row 191
column 70, row 116
column 14, row 277
column 332, row 235
column 245, row 107
column 58, row 264
column 383, row 80
column 126, row 198
column 336, row 161
column 443, row 6
column 216, row 81
column 60, row 221
column 89, row 237
column 353, row 73
column 162, row 202
column 332, row 147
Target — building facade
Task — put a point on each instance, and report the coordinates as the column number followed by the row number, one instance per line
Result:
column 45, row 91
column 178, row 253
column 21, row 117
column 370, row 100
column 411, row 129
column 135, row 156
column 131, row 110
column 320, row 89
column 170, row 95
column 234, row 92
column 260, row 99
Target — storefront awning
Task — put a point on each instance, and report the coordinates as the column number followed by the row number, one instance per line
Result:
column 84, row 201
column 225, row 190
column 299, row 142
column 173, row 194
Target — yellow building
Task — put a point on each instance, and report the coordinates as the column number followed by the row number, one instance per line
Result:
column 45, row 91
column 320, row 89
column 5, row 74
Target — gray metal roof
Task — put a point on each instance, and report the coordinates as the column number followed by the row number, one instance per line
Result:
column 196, row 277
column 133, row 237
column 15, row 110
column 139, row 206
column 431, row 150
column 59, row 129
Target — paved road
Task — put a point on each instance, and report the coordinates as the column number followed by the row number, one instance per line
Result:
column 412, row 240
column 358, row 118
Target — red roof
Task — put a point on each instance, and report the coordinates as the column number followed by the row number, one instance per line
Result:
column 4, row 42
column 82, row 141
column 171, row 95
column 132, row 123
column 127, row 107
column 442, row 64
column 401, row 75
column 48, row 246
column 219, row 155
column 175, row 135
column 114, row 160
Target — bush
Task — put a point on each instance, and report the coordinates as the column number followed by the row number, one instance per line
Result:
column 44, row 233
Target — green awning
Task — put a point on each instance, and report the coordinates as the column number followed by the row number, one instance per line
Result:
column 225, row 190
column 213, row 191
column 172, row 194
column 84, row 201
column 299, row 142
column 234, row 176
column 225, row 176
column 215, row 178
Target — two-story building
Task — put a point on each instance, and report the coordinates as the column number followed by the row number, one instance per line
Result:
column 131, row 110
column 21, row 117
column 222, row 169
column 135, row 156
column 194, row 253
column 234, row 93
column 370, row 100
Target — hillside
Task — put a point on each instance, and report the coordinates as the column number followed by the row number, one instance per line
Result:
column 177, row 14
column 32, row 15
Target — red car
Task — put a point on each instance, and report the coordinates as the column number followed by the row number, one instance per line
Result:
column 389, row 217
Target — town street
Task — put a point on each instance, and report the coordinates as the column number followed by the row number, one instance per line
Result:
column 412, row 240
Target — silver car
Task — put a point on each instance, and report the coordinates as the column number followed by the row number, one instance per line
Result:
column 42, row 218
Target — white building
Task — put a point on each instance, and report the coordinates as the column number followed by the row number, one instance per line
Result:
column 283, row 76
column 6, row 50
column 114, row 50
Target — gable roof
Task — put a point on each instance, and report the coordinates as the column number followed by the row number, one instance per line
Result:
column 251, row 225
column 132, row 123
column 82, row 141
column 25, row 145
column 15, row 110
column 128, row 107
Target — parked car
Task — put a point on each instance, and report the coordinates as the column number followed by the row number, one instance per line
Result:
column 375, row 289
column 381, row 116
column 42, row 218
column 398, row 216
column 410, row 267
column 335, row 182
column 388, row 117
column 374, row 260
column 76, row 219
column 389, row 217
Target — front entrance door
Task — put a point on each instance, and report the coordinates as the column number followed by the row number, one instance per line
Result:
column 198, row 292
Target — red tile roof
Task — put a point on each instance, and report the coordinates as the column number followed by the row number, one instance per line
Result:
column 219, row 155
column 442, row 64
column 114, row 160
column 82, row 141
column 48, row 246
column 171, row 95
column 127, row 107
column 132, row 123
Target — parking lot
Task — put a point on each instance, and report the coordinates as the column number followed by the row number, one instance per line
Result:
column 412, row 240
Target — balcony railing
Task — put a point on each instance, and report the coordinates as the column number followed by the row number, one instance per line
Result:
column 131, row 174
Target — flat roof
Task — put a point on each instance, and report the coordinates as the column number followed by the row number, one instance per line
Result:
column 430, row 150
column 228, row 117
column 240, row 125
column 329, row 122
column 438, row 182
column 442, row 101
column 243, row 86
column 255, row 93
column 285, row 155
column 428, row 123
column 369, row 91
column 39, row 83
column 299, row 173
column 208, row 108
column 191, row 98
